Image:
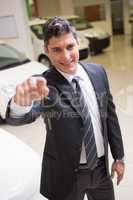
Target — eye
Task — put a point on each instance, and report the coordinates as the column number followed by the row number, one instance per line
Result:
column 70, row 46
column 56, row 50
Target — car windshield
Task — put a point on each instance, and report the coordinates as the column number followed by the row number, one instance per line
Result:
column 80, row 24
column 38, row 30
column 10, row 57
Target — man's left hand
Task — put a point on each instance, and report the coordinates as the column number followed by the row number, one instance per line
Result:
column 118, row 167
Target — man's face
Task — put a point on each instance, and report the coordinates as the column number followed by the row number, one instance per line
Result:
column 63, row 52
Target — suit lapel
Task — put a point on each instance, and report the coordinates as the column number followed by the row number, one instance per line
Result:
column 65, row 88
column 94, row 80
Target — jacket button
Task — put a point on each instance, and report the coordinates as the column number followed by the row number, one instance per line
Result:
column 76, row 170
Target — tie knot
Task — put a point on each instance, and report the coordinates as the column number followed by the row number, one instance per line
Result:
column 76, row 79
column 75, row 82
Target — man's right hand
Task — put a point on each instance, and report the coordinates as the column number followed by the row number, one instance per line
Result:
column 33, row 89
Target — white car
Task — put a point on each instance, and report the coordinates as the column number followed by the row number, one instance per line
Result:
column 20, row 169
column 14, row 68
column 36, row 27
column 99, row 39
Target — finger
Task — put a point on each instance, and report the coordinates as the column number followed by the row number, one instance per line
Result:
column 32, row 84
column 27, row 99
column 112, row 173
column 41, row 81
column 19, row 97
column 30, row 93
column 36, row 84
column 42, row 87
column 46, row 92
column 33, row 89
column 41, row 84
column 38, row 88
column 119, row 178
column 19, row 90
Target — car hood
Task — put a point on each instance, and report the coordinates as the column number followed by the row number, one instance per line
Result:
column 20, row 168
column 9, row 78
column 94, row 32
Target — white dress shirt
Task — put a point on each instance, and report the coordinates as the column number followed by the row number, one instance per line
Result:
column 89, row 94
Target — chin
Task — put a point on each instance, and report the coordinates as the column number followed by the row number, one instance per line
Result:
column 72, row 68
column 71, row 71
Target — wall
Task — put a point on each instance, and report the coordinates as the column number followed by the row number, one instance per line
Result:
column 18, row 8
column 127, row 25
column 87, row 2
column 66, row 7
column 107, row 24
column 48, row 8
column 60, row 7
column 104, row 24
column 55, row 7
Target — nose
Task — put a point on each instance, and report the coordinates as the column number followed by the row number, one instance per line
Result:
column 66, row 55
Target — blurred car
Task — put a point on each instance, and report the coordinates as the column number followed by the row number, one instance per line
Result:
column 15, row 67
column 36, row 27
column 98, row 38
column 20, row 169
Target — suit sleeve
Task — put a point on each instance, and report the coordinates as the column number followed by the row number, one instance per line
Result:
column 113, row 127
column 26, row 118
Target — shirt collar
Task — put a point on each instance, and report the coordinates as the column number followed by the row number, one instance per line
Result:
column 69, row 77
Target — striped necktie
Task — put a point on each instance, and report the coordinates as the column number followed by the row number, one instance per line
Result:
column 88, row 138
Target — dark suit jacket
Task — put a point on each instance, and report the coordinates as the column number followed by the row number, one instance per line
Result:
column 65, row 129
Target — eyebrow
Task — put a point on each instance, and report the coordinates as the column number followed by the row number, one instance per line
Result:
column 70, row 44
column 54, row 48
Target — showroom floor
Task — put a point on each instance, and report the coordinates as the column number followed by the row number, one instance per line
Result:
column 118, row 62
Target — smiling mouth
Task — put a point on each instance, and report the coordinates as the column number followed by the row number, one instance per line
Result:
column 67, row 63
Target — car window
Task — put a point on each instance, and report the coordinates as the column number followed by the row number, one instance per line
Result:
column 38, row 30
column 10, row 56
column 80, row 24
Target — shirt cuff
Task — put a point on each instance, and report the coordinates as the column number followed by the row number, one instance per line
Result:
column 17, row 110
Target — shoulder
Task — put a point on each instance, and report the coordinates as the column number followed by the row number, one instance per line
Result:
column 93, row 67
column 96, row 71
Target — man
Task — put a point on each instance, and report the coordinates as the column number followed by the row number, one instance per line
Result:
column 75, row 101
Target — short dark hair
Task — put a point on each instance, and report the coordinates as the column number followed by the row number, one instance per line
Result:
column 56, row 27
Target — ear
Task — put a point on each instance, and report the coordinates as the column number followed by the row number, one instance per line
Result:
column 45, row 50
